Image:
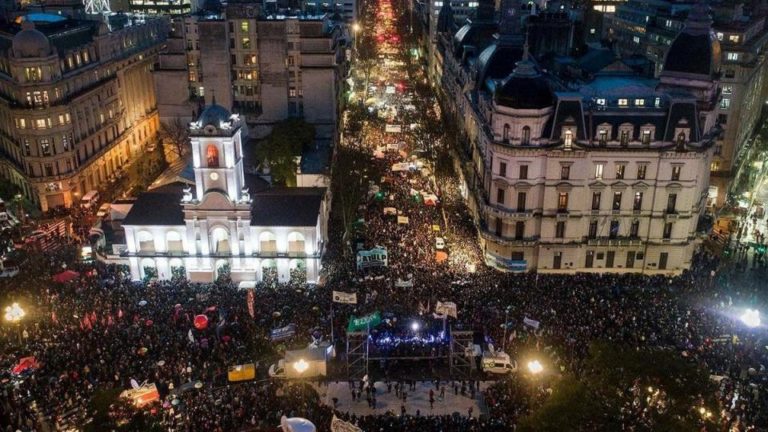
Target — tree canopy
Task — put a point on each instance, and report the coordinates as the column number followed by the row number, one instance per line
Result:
column 283, row 145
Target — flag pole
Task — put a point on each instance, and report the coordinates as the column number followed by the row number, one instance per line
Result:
column 332, row 339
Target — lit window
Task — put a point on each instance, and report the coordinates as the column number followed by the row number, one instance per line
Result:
column 599, row 170
column 727, row 89
column 639, row 102
column 719, row 36
column 292, row 92
column 733, row 38
column 244, row 26
column 600, row 102
column 592, row 31
column 657, row 102
column 438, row 4
column 40, row 123
column 245, row 43
column 636, row 39
column 623, row 102
column 725, row 103
column 733, row 56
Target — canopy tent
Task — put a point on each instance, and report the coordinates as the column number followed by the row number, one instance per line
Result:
column 296, row 424
column 66, row 276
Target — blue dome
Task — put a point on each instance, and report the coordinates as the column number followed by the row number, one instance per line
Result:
column 213, row 115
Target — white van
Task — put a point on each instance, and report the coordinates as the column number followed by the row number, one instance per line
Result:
column 498, row 363
column 89, row 199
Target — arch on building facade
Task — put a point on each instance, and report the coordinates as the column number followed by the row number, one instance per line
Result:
column 146, row 241
column 267, row 241
column 176, row 263
column 148, row 268
column 220, row 240
column 173, row 242
column 296, row 242
column 212, row 156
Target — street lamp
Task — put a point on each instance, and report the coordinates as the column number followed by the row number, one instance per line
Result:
column 13, row 314
column 356, row 30
column 751, row 318
column 535, row 367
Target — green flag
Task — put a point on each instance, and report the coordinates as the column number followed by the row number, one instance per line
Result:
column 362, row 323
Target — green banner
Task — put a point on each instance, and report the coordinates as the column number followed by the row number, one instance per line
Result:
column 362, row 323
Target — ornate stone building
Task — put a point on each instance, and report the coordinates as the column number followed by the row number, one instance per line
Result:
column 77, row 101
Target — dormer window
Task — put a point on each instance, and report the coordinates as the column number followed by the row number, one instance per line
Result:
column 505, row 135
column 602, row 136
column 568, row 139
column 623, row 102
column 646, row 137
column 681, row 138
column 600, row 102
column 640, row 102
column 525, row 139
column 624, row 137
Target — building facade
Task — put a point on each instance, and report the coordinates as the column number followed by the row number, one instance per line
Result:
column 77, row 102
column 610, row 175
column 221, row 225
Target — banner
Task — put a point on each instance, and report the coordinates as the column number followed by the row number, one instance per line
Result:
column 390, row 211
column 339, row 425
column 362, row 323
column 446, row 308
column 407, row 283
column 506, row 263
column 530, row 322
column 403, row 220
column 346, row 298
column 401, row 166
column 282, row 333
column 376, row 257
column 249, row 299
column 392, row 128
column 394, row 147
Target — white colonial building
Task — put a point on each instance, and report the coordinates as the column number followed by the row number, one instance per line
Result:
column 224, row 224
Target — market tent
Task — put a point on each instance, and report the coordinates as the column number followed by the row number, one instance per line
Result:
column 66, row 276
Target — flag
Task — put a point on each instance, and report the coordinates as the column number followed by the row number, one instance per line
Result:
column 93, row 318
column 446, row 308
column 365, row 322
column 190, row 336
column 339, row 425
column 249, row 300
column 343, row 297
column 530, row 322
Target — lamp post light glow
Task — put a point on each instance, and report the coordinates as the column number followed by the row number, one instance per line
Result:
column 535, row 367
column 14, row 313
column 415, row 326
column 751, row 318
column 301, row 366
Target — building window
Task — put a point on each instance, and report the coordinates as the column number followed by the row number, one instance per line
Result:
column 568, row 139
column 600, row 102
column 27, row 150
column 245, row 43
column 33, row 73
column 65, row 142
column 616, row 201
column 291, row 61
column 623, row 102
column 668, row 230
column 503, row 169
column 521, row 196
column 634, row 229
column 562, row 201
column 48, row 170
column 244, row 26
column 602, row 136
column 291, row 92
column 519, row 230
column 639, row 102
column 676, row 171
column 565, row 172
column 681, row 138
column 505, row 135
column 596, row 200
column 727, row 89
column 641, row 170
column 733, row 38
column 21, row 123
column 526, row 138
column 725, row 103
column 624, row 137
column 646, row 139
column 212, row 156
column 599, row 170
column 672, row 203
column 45, row 147
column 714, row 166
column 592, row 229
column 560, row 229
column 637, row 203
column 523, row 172
column 500, row 196
column 620, row 168
column 733, row 56
column 614, row 231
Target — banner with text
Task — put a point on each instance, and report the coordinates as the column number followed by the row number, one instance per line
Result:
column 282, row 333
column 376, row 257
column 346, row 298
column 362, row 323
column 446, row 308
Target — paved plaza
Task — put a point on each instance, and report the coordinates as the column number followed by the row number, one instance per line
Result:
column 415, row 400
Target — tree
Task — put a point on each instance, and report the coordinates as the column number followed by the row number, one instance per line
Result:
column 283, row 146
column 569, row 408
column 175, row 136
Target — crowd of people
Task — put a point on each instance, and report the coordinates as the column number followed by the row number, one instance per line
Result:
column 104, row 332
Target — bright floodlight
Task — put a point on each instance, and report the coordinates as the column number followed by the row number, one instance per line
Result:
column 415, row 326
column 535, row 367
column 301, row 366
column 356, row 27
column 751, row 318
column 14, row 313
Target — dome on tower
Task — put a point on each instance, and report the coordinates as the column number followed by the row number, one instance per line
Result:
column 213, row 115
column 30, row 42
column 525, row 87
column 696, row 49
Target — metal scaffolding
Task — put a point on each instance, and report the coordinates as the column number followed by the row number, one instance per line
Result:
column 357, row 355
column 461, row 354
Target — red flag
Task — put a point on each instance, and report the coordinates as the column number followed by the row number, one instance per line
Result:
column 86, row 323
column 93, row 318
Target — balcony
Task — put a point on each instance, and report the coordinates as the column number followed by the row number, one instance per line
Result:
column 617, row 241
column 510, row 241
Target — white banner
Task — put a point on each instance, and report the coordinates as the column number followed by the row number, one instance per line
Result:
column 407, row 283
column 530, row 322
column 403, row 220
column 339, row 425
column 390, row 128
column 342, row 297
column 390, row 211
column 446, row 308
